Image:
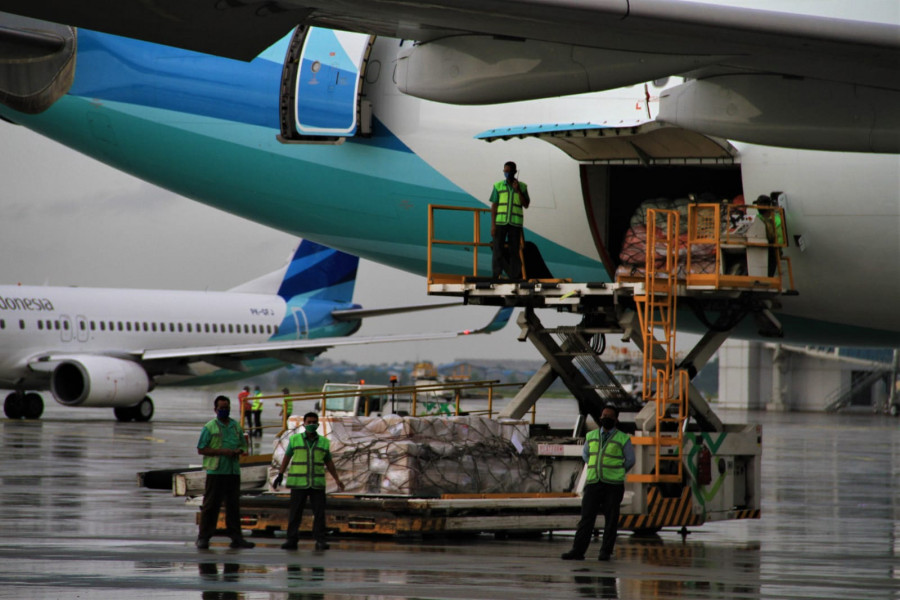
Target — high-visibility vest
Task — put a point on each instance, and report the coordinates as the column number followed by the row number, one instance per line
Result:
column 778, row 228
column 509, row 205
column 256, row 404
column 606, row 462
column 211, row 463
column 307, row 468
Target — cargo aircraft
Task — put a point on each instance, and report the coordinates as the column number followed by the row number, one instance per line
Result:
column 342, row 120
column 94, row 347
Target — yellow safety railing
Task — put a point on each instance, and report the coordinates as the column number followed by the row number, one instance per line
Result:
column 411, row 396
column 656, row 305
column 739, row 246
column 475, row 243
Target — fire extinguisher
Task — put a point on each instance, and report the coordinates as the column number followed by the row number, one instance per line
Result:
column 704, row 466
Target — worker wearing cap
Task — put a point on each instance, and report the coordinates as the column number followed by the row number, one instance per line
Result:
column 221, row 445
column 509, row 199
column 609, row 454
column 308, row 455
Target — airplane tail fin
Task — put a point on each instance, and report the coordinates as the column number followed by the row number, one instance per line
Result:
column 320, row 272
column 314, row 270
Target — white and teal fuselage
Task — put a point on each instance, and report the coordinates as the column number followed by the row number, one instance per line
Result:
column 206, row 127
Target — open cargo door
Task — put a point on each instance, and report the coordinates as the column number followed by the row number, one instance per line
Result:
column 624, row 165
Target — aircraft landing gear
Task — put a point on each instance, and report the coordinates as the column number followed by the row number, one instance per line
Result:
column 140, row 412
column 18, row 405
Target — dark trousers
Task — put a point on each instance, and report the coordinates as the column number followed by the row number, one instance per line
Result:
column 510, row 261
column 221, row 488
column 248, row 416
column 298, row 502
column 257, row 419
column 599, row 498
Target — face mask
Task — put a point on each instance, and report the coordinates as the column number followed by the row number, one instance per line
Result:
column 223, row 413
column 608, row 422
column 311, row 428
column 508, row 176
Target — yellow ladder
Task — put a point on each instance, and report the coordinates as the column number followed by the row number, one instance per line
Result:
column 656, row 310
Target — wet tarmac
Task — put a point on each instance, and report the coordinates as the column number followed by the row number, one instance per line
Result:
column 74, row 524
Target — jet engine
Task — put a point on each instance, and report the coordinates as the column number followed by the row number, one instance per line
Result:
column 99, row 381
column 37, row 62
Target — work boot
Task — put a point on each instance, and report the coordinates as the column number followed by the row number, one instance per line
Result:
column 572, row 555
column 242, row 543
column 202, row 544
column 322, row 546
column 289, row 545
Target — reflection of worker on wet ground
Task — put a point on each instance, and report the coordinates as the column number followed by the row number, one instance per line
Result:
column 509, row 199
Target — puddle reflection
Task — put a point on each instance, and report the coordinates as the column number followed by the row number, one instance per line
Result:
column 230, row 573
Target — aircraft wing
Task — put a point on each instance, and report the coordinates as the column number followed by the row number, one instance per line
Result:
column 670, row 37
column 299, row 351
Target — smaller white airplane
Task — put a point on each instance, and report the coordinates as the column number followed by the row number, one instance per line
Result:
column 98, row 347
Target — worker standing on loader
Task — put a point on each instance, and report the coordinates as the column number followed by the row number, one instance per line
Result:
column 308, row 455
column 256, row 407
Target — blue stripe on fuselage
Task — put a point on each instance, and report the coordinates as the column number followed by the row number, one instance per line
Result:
column 134, row 72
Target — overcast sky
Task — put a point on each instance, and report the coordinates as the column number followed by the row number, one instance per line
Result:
column 70, row 220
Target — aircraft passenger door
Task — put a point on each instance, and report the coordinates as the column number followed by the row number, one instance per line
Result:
column 302, row 323
column 321, row 85
column 65, row 328
column 81, row 328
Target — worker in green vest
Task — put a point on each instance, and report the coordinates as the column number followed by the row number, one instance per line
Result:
column 509, row 199
column 256, row 406
column 288, row 406
column 609, row 454
column 308, row 455
column 221, row 445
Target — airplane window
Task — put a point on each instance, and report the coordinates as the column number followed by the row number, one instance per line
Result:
column 146, row 328
column 121, row 327
column 206, row 327
column 180, row 328
column 162, row 326
column 172, row 327
column 81, row 325
column 40, row 324
column 2, row 324
column 93, row 326
column 222, row 328
column 246, row 328
column 189, row 328
column 230, row 328
column 153, row 326
column 102, row 325
column 199, row 328
column 66, row 325
column 253, row 328
column 215, row 328
column 127, row 325
column 21, row 324
column 56, row 325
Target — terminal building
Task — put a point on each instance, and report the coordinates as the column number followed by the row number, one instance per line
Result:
column 782, row 377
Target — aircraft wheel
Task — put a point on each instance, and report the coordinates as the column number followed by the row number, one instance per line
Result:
column 895, row 410
column 143, row 410
column 32, row 406
column 123, row 413
column 14, row 407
